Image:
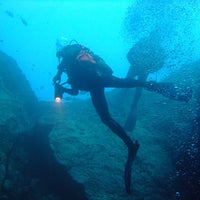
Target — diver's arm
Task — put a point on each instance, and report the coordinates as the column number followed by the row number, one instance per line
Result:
column 61, row 68
column 57, row 77
column 71, row 91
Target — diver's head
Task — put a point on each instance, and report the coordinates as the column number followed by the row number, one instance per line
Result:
column 62, row 44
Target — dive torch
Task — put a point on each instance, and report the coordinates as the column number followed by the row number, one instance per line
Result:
column 58, row 92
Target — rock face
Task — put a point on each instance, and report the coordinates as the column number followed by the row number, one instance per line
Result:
column 28, row 167
column 17, row 101
column 15, row 84
column 96, row 157
column 16, row 118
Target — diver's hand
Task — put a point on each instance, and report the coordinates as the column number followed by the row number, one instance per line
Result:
column 56, row 79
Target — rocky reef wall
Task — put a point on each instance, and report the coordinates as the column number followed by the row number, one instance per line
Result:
column 28, row 168
column 64, row 152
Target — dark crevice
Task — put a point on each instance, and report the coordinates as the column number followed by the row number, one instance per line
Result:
column 32, row 172
column 43, row 165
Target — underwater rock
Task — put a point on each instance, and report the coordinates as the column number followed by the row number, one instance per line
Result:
column 25, row 152
column 8, row 185
column 15, row 87
column 186, row 141
column 71, row 153
column 2, row 172
column 47, row 174
column 17, row 116
column 96, row 157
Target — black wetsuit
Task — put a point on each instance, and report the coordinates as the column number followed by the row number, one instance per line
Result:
column 85, row 76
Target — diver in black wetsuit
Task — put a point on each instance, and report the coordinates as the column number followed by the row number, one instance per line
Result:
column 88, row 72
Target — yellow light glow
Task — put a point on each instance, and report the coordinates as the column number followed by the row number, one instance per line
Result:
column 58, row 99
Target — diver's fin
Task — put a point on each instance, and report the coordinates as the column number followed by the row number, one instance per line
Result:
column 179, row 93
column 128, row 167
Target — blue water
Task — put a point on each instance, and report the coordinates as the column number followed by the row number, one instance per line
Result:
column 96, row 24
column 29, row 30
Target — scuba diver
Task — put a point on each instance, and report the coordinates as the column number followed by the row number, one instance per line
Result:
column 145, row 57
column 87, row 71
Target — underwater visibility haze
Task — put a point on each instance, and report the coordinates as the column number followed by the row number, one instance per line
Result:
column 30, row 30
column 64, row 151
